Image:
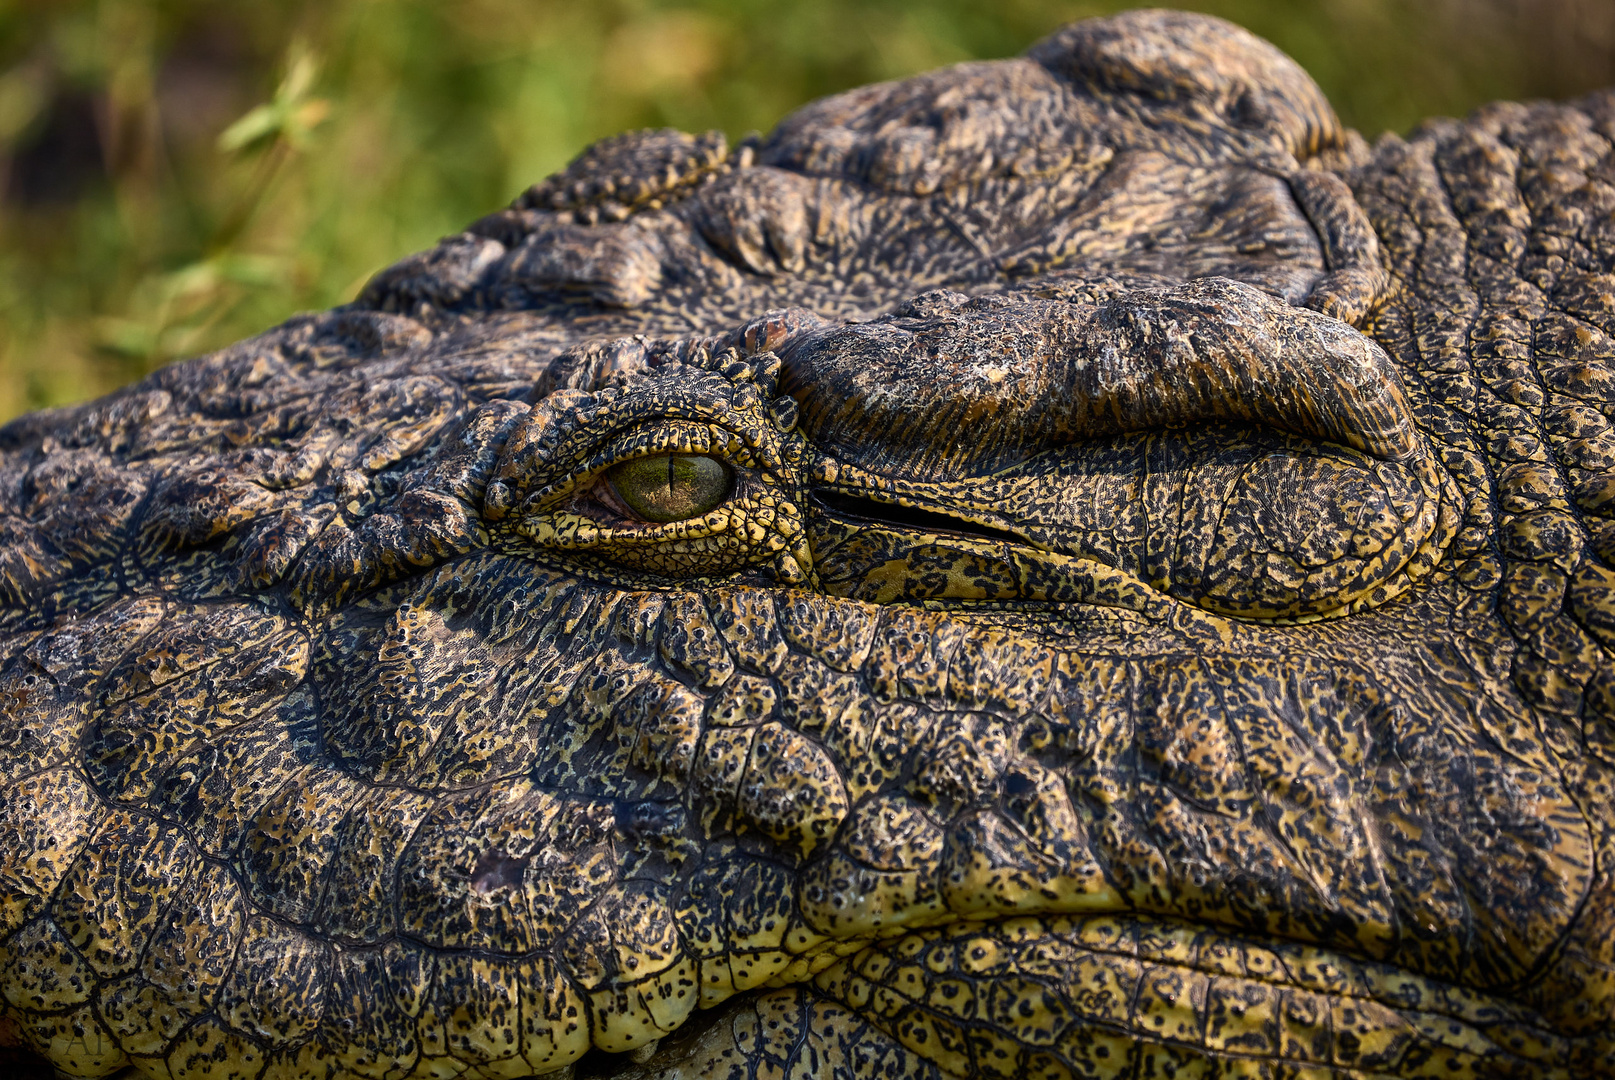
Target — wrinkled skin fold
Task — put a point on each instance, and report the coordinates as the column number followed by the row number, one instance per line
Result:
column 1069, row 567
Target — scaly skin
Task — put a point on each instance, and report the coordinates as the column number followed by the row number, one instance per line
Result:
column 1159, row 626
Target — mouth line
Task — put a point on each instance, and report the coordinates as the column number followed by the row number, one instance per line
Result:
column 876, row 512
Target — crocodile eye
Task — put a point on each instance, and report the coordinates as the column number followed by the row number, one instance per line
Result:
column 671, row 487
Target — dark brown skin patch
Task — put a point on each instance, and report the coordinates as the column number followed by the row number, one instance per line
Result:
column 1157, row 623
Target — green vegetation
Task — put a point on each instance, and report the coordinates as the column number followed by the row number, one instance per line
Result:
column 181, row 173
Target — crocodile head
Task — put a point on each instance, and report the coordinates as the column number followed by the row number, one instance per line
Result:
column 1072, row 567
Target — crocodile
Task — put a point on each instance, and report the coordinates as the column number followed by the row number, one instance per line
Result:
column 1072, row 566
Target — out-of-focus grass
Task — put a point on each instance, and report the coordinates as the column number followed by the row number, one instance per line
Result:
column 180, row 173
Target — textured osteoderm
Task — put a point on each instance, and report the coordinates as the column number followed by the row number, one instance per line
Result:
column 1130, row 594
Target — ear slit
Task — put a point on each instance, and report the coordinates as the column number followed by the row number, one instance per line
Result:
column 876, row 512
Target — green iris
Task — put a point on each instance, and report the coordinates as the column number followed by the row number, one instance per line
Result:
column 671, row 487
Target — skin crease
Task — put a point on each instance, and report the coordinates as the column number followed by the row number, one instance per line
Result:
column 1158, row 625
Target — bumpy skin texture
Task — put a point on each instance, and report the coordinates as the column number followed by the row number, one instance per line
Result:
column 1157, row 621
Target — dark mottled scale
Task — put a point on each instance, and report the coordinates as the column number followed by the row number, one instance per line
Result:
column 81, row 502
column 559, row 895
column 728, row 903
column 385, row 729
column 959, row 766
column 720, row 762
column 359, row 891
column 482, row 742
column 93, row 592
column 129, row 745
column 112, row 899
column 910, row 654
column 46, row 683
column 80, row 1038
column 44, row 972
column 472, row 738
column 287, row 846
column 1186, row 741
column 659, row 723
column 585, row 713
column 1085, row 696
column 30, row 563
column 837, row 711
column 838, row 634
column 187, row 639
column 276, row 991
column 182, row 968
column 791, row 791
column 195, row 947
column 750, row 627
column 562, row 643
column 39, row 720
column 263, row 553
column 1309, row 796
column 691, row 644
column 623, row 733
column 243, row 685
column 746, row 699
column 372, row 999
column 45, row 821
column 999, row 670
column 536, row 863
column 479, row 1002
column 1430, row 893
column 188, row 509
column 635, row 618
column 894, row 732
column 443, row 898
column 219, row 790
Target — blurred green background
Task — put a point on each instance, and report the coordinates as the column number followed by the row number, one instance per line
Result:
column 176, row 174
